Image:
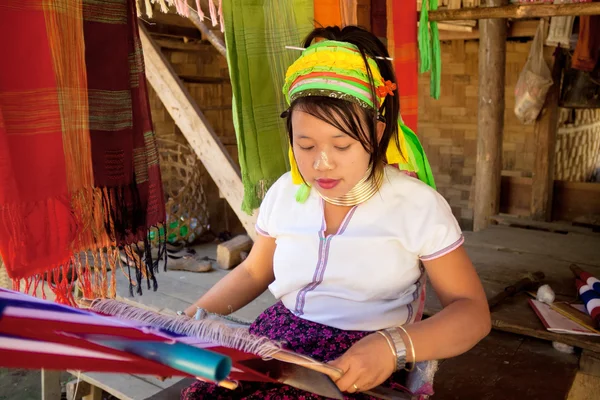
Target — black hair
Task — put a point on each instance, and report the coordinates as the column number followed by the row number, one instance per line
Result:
column 348, row 116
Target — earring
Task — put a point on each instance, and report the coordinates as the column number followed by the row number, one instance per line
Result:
column 304, row 190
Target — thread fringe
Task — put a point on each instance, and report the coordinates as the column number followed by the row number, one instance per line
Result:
column 182, row 8
column 212, row 331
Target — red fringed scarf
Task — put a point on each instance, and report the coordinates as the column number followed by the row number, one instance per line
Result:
column 78, row 159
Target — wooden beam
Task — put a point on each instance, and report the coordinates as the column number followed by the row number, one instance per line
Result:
column 180, row 44
column 175, row 20
column 210, row 35
column 516, row 29
column 545, row 139
column 490, row 119
column 196, row 129
column 516, row 11
column 171, row 30
column 170, row 18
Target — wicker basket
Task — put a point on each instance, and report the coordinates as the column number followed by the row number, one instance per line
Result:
column 187, row 213
column 577, row 145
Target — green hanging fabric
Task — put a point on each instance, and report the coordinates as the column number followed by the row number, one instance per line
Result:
column 256, row 33
column 429, row 47
column 424, row 38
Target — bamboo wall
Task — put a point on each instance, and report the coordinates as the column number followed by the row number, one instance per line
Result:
column 448, row 126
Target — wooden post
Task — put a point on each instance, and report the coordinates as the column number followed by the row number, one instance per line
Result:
column 490, row 119
column 196, row 129
column 51, row 385
column 542, row 186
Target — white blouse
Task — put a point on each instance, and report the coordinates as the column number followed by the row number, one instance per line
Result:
column 368, row 275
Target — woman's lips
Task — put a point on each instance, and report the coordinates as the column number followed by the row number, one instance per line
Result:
column 328, row 183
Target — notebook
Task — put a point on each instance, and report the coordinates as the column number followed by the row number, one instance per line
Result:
column 558, row 323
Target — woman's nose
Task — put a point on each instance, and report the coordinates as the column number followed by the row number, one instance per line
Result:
column 323, row 162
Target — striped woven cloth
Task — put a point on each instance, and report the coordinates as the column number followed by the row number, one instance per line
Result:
column 256, row 33
column 588, row 287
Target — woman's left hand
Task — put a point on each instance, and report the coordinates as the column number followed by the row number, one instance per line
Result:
column 368, row 363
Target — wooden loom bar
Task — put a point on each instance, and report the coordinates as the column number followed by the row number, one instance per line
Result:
column 210, row 35
column 542, row 186
column 516, row 11
column 196, row 129
column 490, row 119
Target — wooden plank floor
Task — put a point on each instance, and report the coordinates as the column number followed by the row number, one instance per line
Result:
column 503, row 255
column 507, row 366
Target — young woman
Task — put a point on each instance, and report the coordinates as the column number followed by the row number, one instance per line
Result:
column 346, row 238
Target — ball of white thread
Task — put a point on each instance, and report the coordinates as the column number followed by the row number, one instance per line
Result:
column 545, row 294
column 563, row 348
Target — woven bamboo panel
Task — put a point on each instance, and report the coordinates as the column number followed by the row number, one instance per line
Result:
column 448, row 126
column 577, row 145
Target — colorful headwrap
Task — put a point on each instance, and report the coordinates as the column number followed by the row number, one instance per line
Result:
column 337, row 69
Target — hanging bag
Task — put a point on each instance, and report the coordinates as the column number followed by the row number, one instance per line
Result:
column 534, row 81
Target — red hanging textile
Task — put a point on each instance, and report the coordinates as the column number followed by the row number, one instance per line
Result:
column 78, row 160
column 402, row 45
column 379, row 18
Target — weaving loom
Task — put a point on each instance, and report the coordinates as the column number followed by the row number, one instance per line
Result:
column 112, row 336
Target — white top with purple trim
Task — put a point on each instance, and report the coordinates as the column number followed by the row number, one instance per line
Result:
column 368, row 275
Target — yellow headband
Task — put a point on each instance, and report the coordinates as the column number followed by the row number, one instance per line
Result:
column 337, row 69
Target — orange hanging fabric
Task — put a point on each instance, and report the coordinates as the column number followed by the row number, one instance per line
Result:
column 587, row 51
column 349, row 12
column 328, row 13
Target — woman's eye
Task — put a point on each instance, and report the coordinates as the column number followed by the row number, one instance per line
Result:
column 343, row 148
column 307, row 148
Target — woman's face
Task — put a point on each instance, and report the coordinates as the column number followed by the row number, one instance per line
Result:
column 328, row 159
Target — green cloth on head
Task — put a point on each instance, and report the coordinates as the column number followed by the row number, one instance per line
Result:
column 256, row 33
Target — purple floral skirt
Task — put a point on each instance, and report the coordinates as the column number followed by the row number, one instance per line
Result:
column 320, row 342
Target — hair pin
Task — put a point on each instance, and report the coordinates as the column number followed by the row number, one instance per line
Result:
column 302, row 49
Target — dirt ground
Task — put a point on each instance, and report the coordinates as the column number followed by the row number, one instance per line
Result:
column 21, row 384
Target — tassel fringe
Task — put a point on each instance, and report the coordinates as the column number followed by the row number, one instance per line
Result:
column 183, row 8
column 86, row 275
column 93, row 253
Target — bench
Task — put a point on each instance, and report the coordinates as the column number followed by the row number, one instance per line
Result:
column 124, row 386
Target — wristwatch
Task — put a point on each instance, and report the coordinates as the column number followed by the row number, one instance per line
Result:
column 400, row 347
